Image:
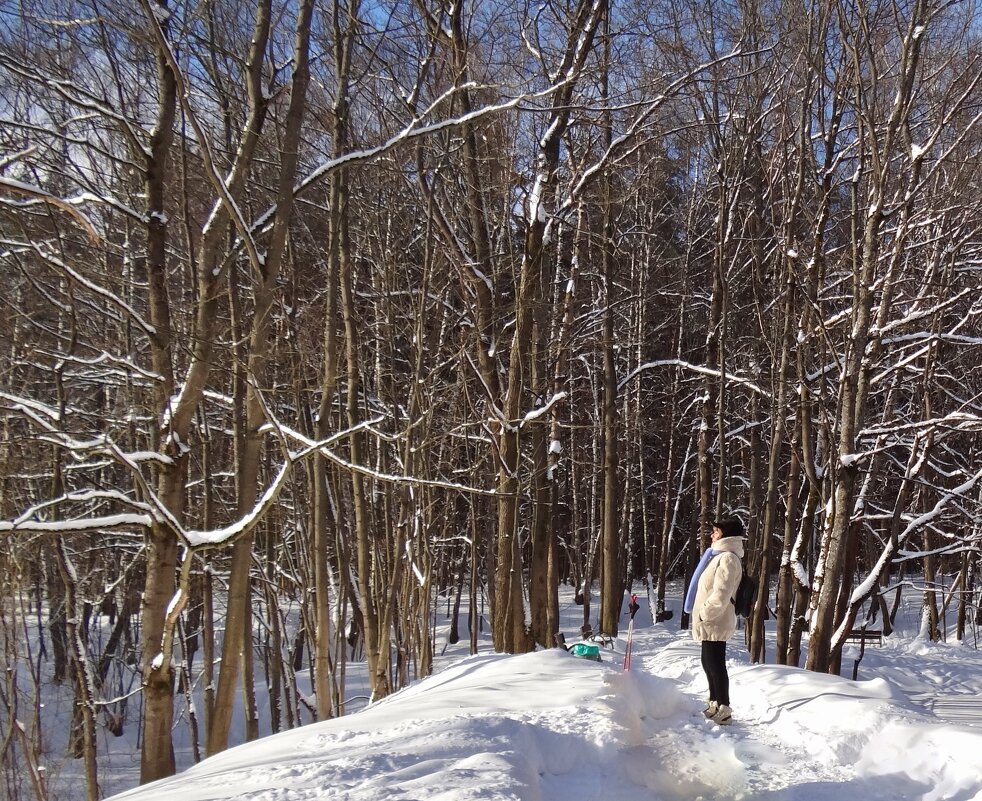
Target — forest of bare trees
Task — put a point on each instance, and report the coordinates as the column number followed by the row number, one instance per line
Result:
column 317, row 313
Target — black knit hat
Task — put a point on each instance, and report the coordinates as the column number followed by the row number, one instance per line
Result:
column 730, row 526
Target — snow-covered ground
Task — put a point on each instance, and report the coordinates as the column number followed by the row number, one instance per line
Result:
column 548, row 726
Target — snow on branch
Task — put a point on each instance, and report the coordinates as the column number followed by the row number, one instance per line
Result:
column 82, row 496
column 695, row 368
column 120, row 362
column 36, row 193
column 47, row 420
column 892, row 547
column 156, row 512
column 417, row 128
column 966, row 545
column 322, row 447
column 617, row 146
column 539, row 411
column 110, row 297
column 935, row 512
column 414, row 130
column 927, row 313
column 37, row 411
column 961, row 421
column 222, row 536
column 103, row 523
column 149, row 513
column 76, row 94
column 111, row 202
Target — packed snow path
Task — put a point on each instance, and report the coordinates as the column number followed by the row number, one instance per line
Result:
column 778, row 746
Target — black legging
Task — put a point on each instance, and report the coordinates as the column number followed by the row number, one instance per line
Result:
column 714, row 663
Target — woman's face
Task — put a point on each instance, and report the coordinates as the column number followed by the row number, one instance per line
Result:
column 717, row 533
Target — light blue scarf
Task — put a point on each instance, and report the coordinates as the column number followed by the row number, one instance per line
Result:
column 690, row 595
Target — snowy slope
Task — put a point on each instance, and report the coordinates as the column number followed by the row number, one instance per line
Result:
column 547, row 726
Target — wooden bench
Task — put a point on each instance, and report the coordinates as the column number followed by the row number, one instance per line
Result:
column 863, row 636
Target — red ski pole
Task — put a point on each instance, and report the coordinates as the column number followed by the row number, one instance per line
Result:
column 627, row 651
column 633, row 607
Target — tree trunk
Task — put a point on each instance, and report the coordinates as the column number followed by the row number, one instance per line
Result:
column 879, row 138
column 777, row 433
column 612, row 584
column 237, row 643
column 509, row 614
column 786, row 587
column 85, row 747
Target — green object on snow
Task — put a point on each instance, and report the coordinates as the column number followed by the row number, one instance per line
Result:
column 586, row 650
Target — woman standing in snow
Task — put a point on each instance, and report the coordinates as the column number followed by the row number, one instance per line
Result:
column 710, row 601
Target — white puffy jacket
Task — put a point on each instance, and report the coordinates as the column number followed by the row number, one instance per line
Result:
column 713, row 614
